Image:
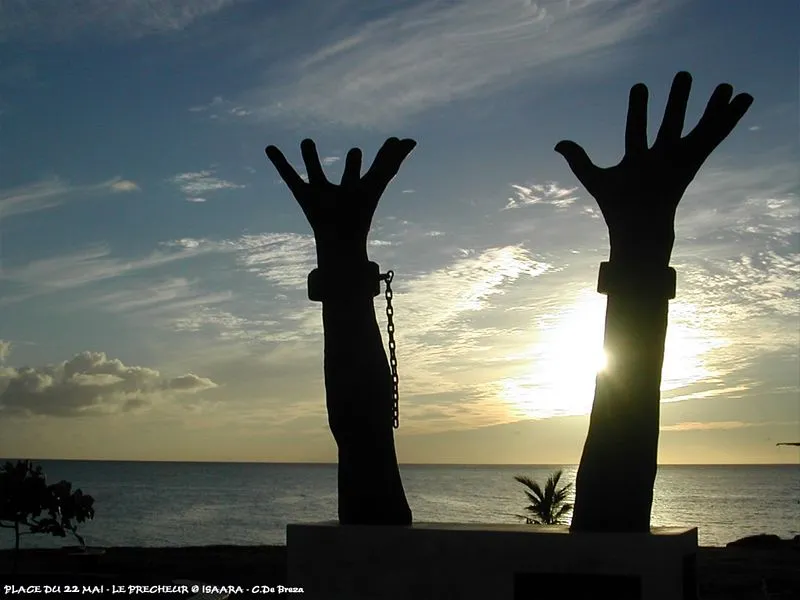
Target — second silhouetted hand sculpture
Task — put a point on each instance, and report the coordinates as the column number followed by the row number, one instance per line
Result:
column 638, row 199
column 358, row 382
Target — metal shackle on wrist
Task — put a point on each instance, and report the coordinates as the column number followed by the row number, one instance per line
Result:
column 616, row 278
column 324, row 284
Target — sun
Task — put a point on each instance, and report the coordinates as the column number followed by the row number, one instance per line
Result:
column 564, row 362
column 568, row 354
column 600, row 362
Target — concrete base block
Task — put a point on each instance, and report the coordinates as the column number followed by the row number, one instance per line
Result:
column 499, row 562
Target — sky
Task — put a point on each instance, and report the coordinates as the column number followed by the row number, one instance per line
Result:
column 153, row 266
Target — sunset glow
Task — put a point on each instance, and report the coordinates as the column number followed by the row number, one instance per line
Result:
column 153, row 264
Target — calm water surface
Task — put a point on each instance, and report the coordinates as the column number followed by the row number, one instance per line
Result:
column 183, row 504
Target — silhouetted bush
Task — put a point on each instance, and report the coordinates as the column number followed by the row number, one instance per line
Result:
column 28, row 505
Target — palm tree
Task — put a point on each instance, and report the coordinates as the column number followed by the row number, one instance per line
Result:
column 546, row 507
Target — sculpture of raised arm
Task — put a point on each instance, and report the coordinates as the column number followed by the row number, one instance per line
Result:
column 638, row 198
column 358, row 382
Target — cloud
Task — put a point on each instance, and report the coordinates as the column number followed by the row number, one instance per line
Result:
column 435, row 308
column 165, row 297
column 124, row 185
column 53, row 192
column 94, row 264
column 199, row 183
column 547, row 193
column 459, row 307
column 437, row 333
column 284, row 259
column 332, row 50
column 736, row 249
column 428, row 54
column 466, row 324
column 215, row 102
column 90, row 383
column 55, row 20
column 218, row 106
column 190, row 383
column 5, row 350
column 329, row 160
column 696, row 426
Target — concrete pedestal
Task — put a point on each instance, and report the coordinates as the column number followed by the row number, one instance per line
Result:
column 497, row 562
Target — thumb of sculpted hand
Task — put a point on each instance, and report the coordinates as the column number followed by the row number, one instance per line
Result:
column 577, row 159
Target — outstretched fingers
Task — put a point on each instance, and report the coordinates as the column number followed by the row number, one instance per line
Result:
column 636, row 126
column 719, row 118
column 719, row 99
column 352, row 167
column 285, row 170
column 738, row 107
column 311, row 159
column 675, row 113
column 580, row 163
column 387, row 162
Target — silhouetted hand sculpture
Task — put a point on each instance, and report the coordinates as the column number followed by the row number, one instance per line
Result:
column 358, row 382
column 638, row 196
column 638, row 199
column 341, row 215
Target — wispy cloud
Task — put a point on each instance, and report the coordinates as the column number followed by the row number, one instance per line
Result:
column 466, row 324
column 697, row 426
column 437, row 336
column 124, row 185
column 169, row 298
column 429, row 54
column 218, row 107
column 196, row 185
column 737, row 245
column 332, row 50
column 5, row 350
column 216, row 101
column 53, row 192
column 95, row 264
column 54, row 20
column 547, row 193
column 283, row 259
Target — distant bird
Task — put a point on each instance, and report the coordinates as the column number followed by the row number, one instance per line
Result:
column 788, row 444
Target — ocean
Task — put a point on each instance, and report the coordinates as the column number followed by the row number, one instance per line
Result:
column 189, row 504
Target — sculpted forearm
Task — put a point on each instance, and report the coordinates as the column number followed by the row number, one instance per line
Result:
column 638, row 198
column 356, row 366
column 637, row 357
column 622, row 443
column 358, row 381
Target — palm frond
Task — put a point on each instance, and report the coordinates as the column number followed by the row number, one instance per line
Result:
column 563, row 510
column 531, row 485
column 547, row 506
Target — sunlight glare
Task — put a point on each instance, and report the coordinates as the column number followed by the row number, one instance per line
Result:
column 564, row 362
column 568, row 354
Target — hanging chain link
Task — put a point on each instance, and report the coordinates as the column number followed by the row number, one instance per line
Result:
column 387, row 277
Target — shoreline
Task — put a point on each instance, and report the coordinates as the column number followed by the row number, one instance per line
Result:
column 723, row 572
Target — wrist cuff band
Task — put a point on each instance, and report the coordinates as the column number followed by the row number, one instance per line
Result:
column 361, row 281
column 615, row 278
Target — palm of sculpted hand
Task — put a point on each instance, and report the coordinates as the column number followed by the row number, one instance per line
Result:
column 341, row 215
column 639, row 196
